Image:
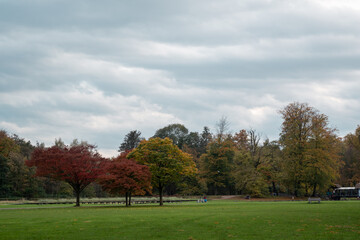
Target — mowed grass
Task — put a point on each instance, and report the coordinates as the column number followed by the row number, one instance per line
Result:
column 213, row 220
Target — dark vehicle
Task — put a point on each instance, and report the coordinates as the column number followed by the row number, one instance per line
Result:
column 346, row 192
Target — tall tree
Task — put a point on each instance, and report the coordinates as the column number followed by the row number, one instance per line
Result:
column 126, row 176
column 5, row 185
column 131, row 141
column 216, row 165
column 205, row 139
column 350, row 171
column 222, row 129
column 77, row 165
column 248, row 179
column 271, row 166
column 166, row 162
column 7, row 147
column 176, row 132
column 309, row 147
column 322, row 160
column 254, row 147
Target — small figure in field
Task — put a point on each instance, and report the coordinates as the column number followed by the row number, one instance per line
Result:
column 205, row 199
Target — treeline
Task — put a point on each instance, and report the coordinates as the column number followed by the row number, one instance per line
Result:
column 307, row 159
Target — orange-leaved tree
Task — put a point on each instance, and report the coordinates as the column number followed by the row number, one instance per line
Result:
column 126, row 176
column 78, row 165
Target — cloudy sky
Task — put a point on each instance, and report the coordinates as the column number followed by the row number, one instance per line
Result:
column 94, row 70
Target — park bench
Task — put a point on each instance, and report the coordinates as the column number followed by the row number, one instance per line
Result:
column 313, row 199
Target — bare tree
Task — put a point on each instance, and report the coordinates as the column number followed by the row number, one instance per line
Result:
column 222, row 128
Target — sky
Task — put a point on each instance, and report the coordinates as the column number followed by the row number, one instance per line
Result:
column 95, row 70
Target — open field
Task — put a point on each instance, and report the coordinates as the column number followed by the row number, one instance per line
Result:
column 220, row 219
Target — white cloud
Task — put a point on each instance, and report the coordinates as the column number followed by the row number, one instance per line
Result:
column 15, row 128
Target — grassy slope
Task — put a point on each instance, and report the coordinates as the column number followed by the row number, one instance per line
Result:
column 214, row 220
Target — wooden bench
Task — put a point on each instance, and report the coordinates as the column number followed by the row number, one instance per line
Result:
column 312, row 199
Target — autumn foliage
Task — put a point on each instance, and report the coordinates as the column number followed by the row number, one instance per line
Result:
column 77, row 165
column 127, row 177
column 166, row 162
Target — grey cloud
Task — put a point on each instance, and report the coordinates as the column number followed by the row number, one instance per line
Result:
column 96, row 70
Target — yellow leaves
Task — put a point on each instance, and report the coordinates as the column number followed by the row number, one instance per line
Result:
column 165, row 160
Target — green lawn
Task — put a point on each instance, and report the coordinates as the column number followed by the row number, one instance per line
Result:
column 213, row 220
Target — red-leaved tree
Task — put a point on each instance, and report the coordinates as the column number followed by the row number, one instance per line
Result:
column 77, row 165
column 125, row 176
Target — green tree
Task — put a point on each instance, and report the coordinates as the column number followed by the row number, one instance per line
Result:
column 7, row 147
column 271, row 165
column 176, row 132
column 131, row 141
column 248, row 180
column 205, row 139
column 216, row 166
column 350, row 171
column 5, row 185
column 166, row 162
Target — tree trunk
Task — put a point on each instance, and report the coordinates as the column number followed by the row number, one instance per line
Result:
column 126, row 199
column 274, row 189
column 129, row 198
column 77, row 192
column 161, row 194
column 314, row 190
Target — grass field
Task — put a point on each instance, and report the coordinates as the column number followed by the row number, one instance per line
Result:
column 220, row 219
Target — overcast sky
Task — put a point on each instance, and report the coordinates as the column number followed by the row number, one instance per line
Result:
column 95, row 70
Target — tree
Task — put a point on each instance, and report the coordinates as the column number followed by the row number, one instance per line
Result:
column 322, row 161
column 248, row 179
column 241, row 141
column 205, row 138
column 350, row 172
column 78, row 165
column 166, row 162
column 4, row 177
column 131, row 141
column 192, row 141
column 253, row 169
column 222, row 129
column 126, row 176
column 310, row 148
column 271, row 165
column 7, row 147
column 216, row 165
column 176, row 132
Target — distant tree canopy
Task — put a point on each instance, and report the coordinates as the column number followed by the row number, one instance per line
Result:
column 176, row 132
column 308, row 159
